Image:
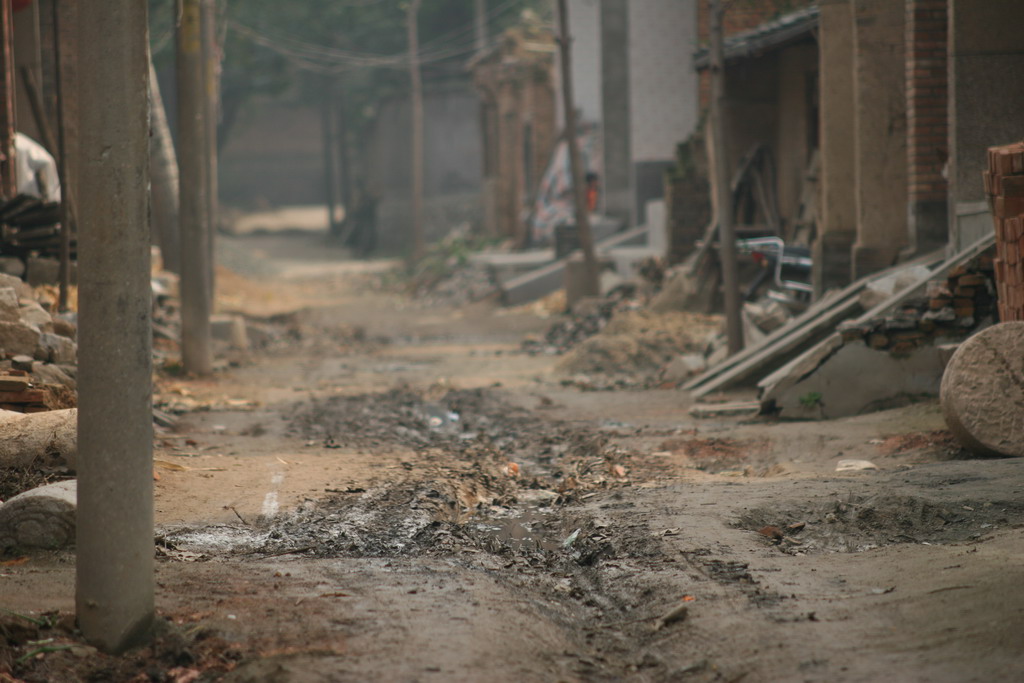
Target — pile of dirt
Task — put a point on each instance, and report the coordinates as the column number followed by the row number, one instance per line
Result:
column 861, row 523
column 640, row 343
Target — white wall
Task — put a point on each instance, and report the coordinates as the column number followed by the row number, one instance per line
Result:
column 585, row 29
column 663, row 85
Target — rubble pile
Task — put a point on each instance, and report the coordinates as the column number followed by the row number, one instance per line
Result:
column 464, row 284
column 638, row 344
column 37, row 350
column 446, row 276
column 588, row 317
column 950, row 309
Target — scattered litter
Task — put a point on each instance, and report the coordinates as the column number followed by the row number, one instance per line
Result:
column 855, row 465
column 882, row 591
column 677, row 613
column 571, row 539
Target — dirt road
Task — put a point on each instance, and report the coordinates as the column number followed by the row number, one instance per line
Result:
column 399, row 494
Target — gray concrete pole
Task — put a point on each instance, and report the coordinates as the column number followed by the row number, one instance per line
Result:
column 723, row 198
column 591, row 285
column 114, row 595
column 419, row 246
column 196, row 354
column 211, row 100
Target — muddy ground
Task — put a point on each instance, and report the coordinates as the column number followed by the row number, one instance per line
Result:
column 398, row 493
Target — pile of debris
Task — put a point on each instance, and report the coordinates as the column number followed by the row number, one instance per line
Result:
column 588, row 317
column 950, row 309
column 37, row 350
column 637, row 346
column 446, row 276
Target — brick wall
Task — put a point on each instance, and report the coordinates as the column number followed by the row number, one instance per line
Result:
column 927, row 142
column 741, row 15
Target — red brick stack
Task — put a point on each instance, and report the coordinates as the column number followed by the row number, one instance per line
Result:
column 1004, row 184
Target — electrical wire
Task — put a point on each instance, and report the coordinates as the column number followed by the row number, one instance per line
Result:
column 331, row 60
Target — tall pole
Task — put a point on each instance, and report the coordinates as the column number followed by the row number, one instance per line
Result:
column 8, row 181
column 163, row 165
column 193, row 208
column 114, row 567
column 590, row 284
column 211, row 101
column 64, row 18
column 723, row 200
column 416, row 102
column 330, row 144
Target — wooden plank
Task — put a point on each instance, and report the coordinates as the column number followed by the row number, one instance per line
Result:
column 786, row 344
column 822, row 314
column 13, row 383
column 27, row 396
column 768, row 383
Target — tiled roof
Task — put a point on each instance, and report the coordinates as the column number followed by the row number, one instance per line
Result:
column 772, row 34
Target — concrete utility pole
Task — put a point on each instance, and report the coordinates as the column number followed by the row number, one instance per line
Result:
column 723, row 199
column 591, row 284
column 114, row 595
column 416, row 104
column 196, row 354
column 211, row 101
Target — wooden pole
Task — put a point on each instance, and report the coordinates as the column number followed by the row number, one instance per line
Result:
column 114, row 566
column 196, row 353
column 163, row 164
column 591, row 284
column 723, row 199
column 8, row 181
column 65, row 22
column 416, row 104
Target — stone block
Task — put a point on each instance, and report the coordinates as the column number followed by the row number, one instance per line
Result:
column 56, row 349
column 19, row 338
column 10, row 310
column 34, row 314
column 42, row 518
column 19, row 285
column 231, row 329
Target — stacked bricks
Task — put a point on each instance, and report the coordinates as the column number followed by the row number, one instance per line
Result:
column 927, row 98
column 950, row 310
column 1004, row 185
column 17, row 393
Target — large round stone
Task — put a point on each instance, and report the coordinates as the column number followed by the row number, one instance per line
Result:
column 983, row 391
